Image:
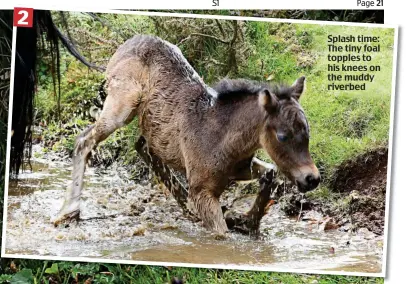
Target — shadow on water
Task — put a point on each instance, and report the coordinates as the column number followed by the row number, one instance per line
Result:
column 124, row 220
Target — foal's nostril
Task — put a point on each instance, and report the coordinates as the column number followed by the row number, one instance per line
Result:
column 312, row 181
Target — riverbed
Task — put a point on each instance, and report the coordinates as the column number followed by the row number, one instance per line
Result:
column 124, row 220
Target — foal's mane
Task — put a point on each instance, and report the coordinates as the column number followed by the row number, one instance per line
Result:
column 232, row 89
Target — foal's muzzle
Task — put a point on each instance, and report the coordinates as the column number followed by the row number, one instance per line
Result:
column 310, row 182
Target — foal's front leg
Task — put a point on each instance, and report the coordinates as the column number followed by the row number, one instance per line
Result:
column 203, row 200
column 249, row 222
column 250, row 169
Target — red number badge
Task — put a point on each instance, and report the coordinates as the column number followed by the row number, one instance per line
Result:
column 23, row 17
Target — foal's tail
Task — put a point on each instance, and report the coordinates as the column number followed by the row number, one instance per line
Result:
column 98, row 101
column 101, row 95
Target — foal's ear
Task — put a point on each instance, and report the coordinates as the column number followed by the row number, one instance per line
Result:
column 298, row 87
column 268, row 101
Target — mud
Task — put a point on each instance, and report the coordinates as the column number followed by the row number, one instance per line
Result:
column 358, row 194
column 364, row 178
column 127, row 220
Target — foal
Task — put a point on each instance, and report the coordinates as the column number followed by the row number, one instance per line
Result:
column 209, row 135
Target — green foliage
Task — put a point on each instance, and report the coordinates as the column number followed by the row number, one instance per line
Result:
column 342, row 123
column 62, row 137
column 53, row 269
column 5, row 278
column 22, row 277
column 361, row 16
column 32, row 271
column 78, row 89
column 279, row 52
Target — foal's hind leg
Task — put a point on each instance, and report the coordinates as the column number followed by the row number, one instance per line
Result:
column 70, row 209
column 116, row 113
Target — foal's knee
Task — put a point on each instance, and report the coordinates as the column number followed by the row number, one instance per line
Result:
column 207, row 206
column 85, row 141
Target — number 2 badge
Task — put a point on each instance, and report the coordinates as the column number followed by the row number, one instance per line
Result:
column 23, row 17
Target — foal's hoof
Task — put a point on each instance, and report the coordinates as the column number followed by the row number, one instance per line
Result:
column 238, row 222
column 220, row 237
column 64, row 218
column 242, row 223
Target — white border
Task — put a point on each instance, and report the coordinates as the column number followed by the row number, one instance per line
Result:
column 220, row 17
column 9, row 126
column 215, row 266
column 203, row 4
column 397, row 231
column 390, row 153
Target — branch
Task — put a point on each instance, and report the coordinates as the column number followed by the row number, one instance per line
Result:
column 230, row 42
column 220, row 27
column 70, row 46
column 241, row 32
column 96, row 37
column 106, row 24
column 183, row 40
column 235, row 25
column 212, row 37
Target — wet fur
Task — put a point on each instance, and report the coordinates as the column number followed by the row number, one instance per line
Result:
column 205, row 133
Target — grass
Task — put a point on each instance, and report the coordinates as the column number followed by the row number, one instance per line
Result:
column 35, row 271
column 346, row 123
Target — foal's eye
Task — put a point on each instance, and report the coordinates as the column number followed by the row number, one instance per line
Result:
column 282, row 137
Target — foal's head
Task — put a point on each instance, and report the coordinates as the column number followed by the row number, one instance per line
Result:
column 285, row 134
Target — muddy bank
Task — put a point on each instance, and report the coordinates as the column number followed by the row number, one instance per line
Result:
column 358, row 191
column 364, row 179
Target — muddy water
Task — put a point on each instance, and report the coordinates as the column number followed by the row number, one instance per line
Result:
column 128, row 221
